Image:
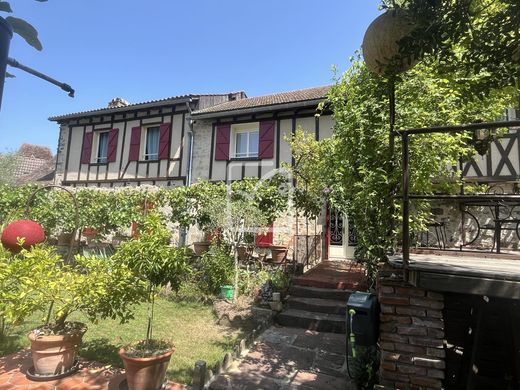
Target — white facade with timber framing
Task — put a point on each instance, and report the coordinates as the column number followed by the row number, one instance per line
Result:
column 129, row 144
column 247, row 137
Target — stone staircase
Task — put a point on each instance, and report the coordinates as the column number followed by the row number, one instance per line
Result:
column 318, row 299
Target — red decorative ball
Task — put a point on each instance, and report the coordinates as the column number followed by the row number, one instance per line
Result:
column 31, row 231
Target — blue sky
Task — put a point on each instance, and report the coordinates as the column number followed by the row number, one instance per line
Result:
column 142, row 50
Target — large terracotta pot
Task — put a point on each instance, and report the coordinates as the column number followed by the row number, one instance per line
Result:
column 31, row 232
column 201, row 247
column 278, row 253
column 54, row 355
column 145, row 373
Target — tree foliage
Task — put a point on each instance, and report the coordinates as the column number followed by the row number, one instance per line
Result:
column 358, row 168
column 21, row 27
column 478, row 37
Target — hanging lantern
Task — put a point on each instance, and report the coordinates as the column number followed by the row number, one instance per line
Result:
column 481, row 140
column 381, row 43
column 31, row 232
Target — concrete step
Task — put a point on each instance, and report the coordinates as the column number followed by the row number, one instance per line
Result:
column 318, row 305
column 320, row 322
column 322, row 293
column 352, row 283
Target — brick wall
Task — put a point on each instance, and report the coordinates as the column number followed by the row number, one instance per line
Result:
column 411, row 335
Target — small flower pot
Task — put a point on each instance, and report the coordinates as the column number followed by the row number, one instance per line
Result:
column 147, row 373
column 201, row 247
column 278, row 253
column 227, row 291
column 55, row 354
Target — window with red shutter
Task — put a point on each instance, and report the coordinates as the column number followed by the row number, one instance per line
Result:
column 164, row 141
column 113, row 137
column 135, row 144
column 86, row 153
column 266, row 142
column 222, row 142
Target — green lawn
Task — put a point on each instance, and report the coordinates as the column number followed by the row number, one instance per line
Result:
column 191, row 327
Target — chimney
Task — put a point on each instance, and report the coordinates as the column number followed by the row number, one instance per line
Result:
column 118, row 102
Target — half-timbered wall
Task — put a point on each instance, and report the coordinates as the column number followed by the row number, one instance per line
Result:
column 212, row 161
column 77, row 165
column 501, row 163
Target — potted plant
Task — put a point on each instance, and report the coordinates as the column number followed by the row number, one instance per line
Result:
column 97, row 287
column 217, row 270
column 278, row 253
column 158, row 264
column 201, row 247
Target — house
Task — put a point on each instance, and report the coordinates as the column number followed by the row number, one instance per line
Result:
column 179, row 140
column 226, row 137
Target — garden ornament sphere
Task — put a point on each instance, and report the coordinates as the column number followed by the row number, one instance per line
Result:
column 381, row 43
column 30, row 231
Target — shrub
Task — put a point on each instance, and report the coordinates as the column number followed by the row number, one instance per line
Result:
column 216, row 267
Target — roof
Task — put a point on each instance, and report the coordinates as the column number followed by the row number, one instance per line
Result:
column 312, row 95
column 146, row 104
column 31, row 169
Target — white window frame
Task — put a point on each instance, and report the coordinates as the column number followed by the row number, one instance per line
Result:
column 145, row 139
column 96, row 158
column 247, row 128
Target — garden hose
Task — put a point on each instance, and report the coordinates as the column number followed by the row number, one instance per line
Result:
column 352, row 338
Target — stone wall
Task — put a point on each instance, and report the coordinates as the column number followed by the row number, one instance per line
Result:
column 411, row 335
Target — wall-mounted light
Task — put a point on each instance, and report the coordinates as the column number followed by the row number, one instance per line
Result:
column 481, row 140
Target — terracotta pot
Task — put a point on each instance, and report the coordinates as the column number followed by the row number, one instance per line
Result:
column 278, row 253
column 145, row 373
column 242, row 252
column 64, row 239
column 90, row 232
column 201, row 247
column 54, row 355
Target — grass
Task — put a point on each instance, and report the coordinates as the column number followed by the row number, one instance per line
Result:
column 190, row 326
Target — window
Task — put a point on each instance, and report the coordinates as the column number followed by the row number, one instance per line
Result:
column 245, row 138
column 151, row 149
column 102, row 149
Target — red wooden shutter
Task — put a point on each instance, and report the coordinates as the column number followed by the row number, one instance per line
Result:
column 266, row 139
column 265, row 240
column 112, row 145
column 222, row 144
column 164, row 141
column 135, row 144
column 87, row 148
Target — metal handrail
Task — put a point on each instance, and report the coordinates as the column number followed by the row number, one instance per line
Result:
column 406, row 196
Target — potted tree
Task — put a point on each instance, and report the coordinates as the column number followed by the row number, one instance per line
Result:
column 158, row 264
column 97, row 287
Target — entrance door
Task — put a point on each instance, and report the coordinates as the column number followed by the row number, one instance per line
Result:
column 341, row 236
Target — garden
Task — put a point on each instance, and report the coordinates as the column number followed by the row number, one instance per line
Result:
column 103, row 274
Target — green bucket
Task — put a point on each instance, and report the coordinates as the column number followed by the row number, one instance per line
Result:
column 226, row 291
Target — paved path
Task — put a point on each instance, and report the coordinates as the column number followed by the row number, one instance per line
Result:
column 289, row 358
column 92, row 376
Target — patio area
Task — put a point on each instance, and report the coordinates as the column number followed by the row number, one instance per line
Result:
column 335, row 274
column 91, row 375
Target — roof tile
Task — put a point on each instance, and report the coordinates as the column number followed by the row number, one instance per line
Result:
column 300, row 95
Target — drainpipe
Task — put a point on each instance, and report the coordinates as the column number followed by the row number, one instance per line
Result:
column 183, row 232
column 191, row 141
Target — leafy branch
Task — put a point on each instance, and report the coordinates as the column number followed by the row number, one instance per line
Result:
column 21, row 27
